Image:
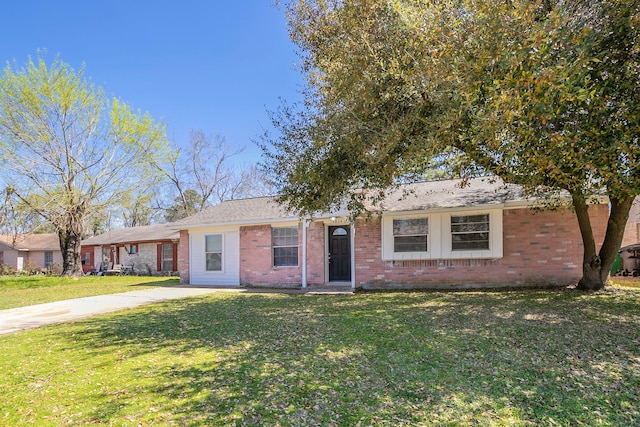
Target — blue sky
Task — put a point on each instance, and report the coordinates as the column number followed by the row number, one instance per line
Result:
column 212, row 65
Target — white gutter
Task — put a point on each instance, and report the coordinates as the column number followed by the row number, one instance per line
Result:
column 353, row 255
column 305, row 225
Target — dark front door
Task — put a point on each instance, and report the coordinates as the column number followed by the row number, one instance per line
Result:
column 339, row 254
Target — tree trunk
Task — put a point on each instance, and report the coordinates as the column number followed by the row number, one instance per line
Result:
column 70, row 246
column 596, row 265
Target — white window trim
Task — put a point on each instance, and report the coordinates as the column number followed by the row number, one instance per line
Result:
column 273, row 247
column 495, row 236
column 433, row 236
column 221, row 271
column 439, row 237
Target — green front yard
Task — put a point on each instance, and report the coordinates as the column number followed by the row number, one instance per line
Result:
column 424, row 358
column 20, row 291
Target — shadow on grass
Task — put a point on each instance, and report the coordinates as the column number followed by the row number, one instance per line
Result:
column 170, row 282
column 524, row 358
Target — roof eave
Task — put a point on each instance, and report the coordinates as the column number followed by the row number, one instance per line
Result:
column 236, row 223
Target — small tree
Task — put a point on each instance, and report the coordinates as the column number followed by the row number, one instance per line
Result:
column 68, row 151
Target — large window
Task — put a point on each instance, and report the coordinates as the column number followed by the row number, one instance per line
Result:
column 410, row 235
column 213, row 252
column 469, row 232
column 48, row 258
column 167, row 257
column 285, row 246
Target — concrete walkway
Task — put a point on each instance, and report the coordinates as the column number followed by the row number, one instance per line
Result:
column 34, row 316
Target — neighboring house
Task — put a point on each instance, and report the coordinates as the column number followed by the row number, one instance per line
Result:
column 147, row 250
column 30, row 251
column 427, row 235
column 632, row 230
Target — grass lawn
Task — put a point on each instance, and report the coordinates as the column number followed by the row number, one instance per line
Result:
column 19, row 291
column 534, row 358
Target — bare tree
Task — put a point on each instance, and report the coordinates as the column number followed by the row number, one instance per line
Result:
column 203, row 174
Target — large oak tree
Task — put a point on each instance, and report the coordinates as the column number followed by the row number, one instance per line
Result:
column 542, row 93
column 67, row 150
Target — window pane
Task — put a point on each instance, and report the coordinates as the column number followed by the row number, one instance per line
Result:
column 284, row 236
column 410, row 234
column 285, row 246
column 287, row 256
column 470, row 241
column 167, row 251
column 465, row 224
column 340, row 232
column 214, row 262
column 213, row 243
column 48, row 258
column 470, row 232
column 410, row 244
column 411, row 226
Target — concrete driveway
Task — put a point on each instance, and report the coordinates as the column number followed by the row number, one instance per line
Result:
column 23, row 318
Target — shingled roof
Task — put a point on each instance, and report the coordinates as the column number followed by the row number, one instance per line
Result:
column 145, row 233
column 31, row 242
column 449, row 194
column 254, row 210
column 409, row 197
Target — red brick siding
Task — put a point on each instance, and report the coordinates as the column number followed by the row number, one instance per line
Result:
column 183, row 257
column 539, row 248
column 316, row 253
column 256, row 260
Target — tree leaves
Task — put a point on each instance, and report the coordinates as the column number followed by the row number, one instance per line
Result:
column 68, row 150
column 529, row 91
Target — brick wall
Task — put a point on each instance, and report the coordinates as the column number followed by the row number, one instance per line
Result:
column 540, row 248
column 316, row 253
column 632, row 229
column 256, row 262
column 183, row 257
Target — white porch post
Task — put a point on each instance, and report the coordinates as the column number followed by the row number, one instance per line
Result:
column 305, row 225
column 353, row 254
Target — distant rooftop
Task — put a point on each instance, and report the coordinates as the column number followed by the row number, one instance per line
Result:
column 31, row 242
column 145, row 233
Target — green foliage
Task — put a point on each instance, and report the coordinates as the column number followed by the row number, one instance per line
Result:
column 67, row 150
column 538, row 358
column 542, row 94
column 182, row 208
